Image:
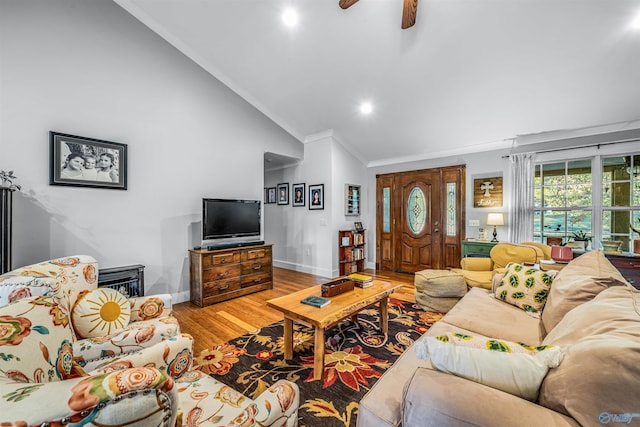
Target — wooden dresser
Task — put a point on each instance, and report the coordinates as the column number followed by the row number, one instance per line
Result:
column 629, row 266
column 221, row 274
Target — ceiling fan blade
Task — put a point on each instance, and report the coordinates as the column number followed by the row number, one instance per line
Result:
column 346, row 3
column 409, row 13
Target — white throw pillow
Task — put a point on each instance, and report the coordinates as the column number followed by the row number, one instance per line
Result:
column 515, row 368
column 100, row 312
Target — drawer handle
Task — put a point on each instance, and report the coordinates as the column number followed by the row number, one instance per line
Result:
column 222, row 288
column 223, row 260
column 225, row 274
column 256, row 280
column 257, row 266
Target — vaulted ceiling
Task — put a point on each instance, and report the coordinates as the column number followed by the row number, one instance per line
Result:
column 467, row 77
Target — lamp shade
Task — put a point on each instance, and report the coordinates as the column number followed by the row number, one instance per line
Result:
column 495, row 219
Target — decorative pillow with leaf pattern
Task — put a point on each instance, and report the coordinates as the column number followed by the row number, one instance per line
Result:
column 492, row 344
column 515, row 368
column 525, row 287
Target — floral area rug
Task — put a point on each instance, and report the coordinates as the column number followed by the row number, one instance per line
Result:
column 356, row 355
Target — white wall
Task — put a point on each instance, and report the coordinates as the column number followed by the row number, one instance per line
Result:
column 306, row 240
column 88, row 68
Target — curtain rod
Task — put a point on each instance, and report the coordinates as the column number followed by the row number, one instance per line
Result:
column 551, row 150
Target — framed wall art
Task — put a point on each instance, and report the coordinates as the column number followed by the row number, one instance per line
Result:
column 283, row 193
column 297, row 190
column 87, row 162
column 487, row 192
column 271, row 195
column 316, row 197
column 352, row 200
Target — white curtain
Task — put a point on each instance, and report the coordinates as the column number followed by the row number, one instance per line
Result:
column 521, row 216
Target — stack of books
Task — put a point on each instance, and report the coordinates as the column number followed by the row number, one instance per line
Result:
column 361, row 280
column 316, row 301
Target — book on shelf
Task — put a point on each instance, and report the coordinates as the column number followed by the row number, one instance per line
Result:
column 316, row 301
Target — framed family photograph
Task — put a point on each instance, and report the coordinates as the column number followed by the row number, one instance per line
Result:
column 87, row 162
column 283, row 193
column 316, row 196
column 298, row 194
column 271, row 195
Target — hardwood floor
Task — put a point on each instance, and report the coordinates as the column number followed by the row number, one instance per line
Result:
column 221, row 322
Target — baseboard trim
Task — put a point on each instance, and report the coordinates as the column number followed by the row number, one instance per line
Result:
column 322, row 272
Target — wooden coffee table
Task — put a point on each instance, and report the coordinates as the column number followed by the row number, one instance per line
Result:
column 342, row 306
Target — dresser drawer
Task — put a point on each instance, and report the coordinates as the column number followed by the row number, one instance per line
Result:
column 220, row 259
column 629, row 268
column 477, row 248
column 256, row 266
column 625, row 264
column 220, row 287
column 251, row 254
column 221, row 272
column 255, row 279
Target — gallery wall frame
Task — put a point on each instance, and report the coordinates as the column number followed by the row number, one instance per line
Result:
column 86, row 162
column 271, row 195
column 316, row 197
column 298, row 195
column 282, row 193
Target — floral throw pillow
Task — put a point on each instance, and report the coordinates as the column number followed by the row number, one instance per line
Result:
column 515, row 368
column 525, row 287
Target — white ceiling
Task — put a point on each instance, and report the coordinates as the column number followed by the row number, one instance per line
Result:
column 469, row 76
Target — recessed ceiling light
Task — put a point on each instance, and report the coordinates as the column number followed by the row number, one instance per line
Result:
column 366, row 108
column 290, row 17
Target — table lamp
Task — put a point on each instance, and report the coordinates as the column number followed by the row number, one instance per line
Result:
column 495, row 219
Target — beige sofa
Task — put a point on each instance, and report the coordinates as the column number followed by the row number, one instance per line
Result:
column 591, row 314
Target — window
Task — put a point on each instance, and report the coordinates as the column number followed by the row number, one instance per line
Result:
column 620, row 198
column 562, row 199
column 599, row 196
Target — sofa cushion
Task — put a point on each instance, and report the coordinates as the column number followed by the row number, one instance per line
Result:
column 100, row 312
column 382, row 405
column 581, row 280
column 601, row 368
column 525, row 287
column 35, row 341
column 435, row 399
column 476, row 279
column 479, row 312
column 512, row 367
column 504, row 253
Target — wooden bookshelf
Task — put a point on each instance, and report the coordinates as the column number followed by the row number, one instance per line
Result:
column 351, row 253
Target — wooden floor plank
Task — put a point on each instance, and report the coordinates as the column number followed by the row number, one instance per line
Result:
column 221, row 322
column 230, row 317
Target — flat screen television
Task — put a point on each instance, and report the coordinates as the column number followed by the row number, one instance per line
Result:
column 223, row 218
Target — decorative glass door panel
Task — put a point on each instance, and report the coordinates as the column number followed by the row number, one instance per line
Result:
column 416, row 210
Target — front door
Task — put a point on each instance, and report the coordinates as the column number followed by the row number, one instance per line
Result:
column 419, row 222
column 420, row 219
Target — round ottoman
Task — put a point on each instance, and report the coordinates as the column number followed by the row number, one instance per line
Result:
column 439, row 290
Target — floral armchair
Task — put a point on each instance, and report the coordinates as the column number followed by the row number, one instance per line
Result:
column 48, row 374
column 68, row 279
column 40, row 382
